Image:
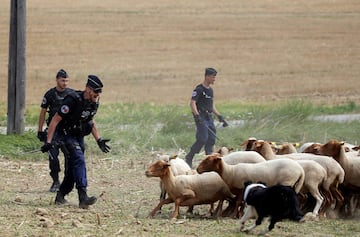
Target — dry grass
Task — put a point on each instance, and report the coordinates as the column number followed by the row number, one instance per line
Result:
column 157, row 50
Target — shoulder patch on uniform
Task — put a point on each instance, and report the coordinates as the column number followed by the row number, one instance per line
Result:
column 44, row 100
column 194, row 93
column 64, row 109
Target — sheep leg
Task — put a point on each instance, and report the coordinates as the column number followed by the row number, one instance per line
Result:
column 163, row 191
column 238, row 207
column 158, row 207
column 328, row 200
column 218, row 211
column 319, row 200
column 229, row 209
column 190, row 195
column 338, row 196
column 249, row 213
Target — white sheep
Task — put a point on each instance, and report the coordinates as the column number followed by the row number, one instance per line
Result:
column 334, row 174
column 243, row 157
column 284, row 171
column 189, row 190
column 233, row 159
column 351, row 166
column 315, row 174
column 224, row 150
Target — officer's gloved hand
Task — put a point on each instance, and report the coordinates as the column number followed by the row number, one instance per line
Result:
column 102, row 144
column 222, row 120
column 197, row 119
column 41, row 136
column 46, row 147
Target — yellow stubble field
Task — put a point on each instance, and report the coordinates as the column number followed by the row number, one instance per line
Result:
column 156, row 50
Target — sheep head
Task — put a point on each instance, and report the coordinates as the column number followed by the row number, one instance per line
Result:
column 313, row 148
column 159, row 168
column 224, row 150
column 210, row 163
column 331, row 148
column 260, row 145
column 248, row 144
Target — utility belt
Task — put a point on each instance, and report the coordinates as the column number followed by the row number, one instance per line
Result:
column 81, row 130
column 205, row 114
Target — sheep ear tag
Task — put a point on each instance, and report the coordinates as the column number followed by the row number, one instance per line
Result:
column 173, row 157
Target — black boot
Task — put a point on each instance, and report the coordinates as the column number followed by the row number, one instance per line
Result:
column 84, row 200
column 188, row 158
column 55, row 186
column 56, row 183
column 60, row 198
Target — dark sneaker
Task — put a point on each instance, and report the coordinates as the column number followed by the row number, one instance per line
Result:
column 54, row 187
column 60, row 199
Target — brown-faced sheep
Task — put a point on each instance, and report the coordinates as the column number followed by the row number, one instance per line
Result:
column 284, row 171
column 334, row 172
column 351, row 166
column 189, row 190
column 315, row 174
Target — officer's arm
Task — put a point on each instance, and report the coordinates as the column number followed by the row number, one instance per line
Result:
column 95, row 132
column 41, row 119
column 215, row 111
column 53, row 124
column 194, row 107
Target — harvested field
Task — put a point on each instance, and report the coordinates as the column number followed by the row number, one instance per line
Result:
column 156, row 51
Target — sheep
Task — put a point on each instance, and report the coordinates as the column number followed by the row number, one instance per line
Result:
column 189, row 190
column 178, row 167
column 286, row 148
column 249, row 143
column 304, row 146
column 334, row 174
column 311, row 148
column 357, row 150
column 285, row 171
column 233, row 159
column 350, row 150
column 315, row 174
column 351, row 166
column 243, row 157
column 224, row 150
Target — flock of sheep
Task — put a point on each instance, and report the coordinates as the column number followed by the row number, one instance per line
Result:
column 325, row 177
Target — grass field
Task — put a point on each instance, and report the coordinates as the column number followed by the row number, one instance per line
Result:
column 266, row 52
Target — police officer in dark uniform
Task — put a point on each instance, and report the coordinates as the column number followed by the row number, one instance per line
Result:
column 203, row 107
column 51, row 102
column 75, row 120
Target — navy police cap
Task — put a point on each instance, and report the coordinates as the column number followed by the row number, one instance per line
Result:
column 94, row 83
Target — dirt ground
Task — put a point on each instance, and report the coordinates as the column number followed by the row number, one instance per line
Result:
column 125, row 198
column 156, row 50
